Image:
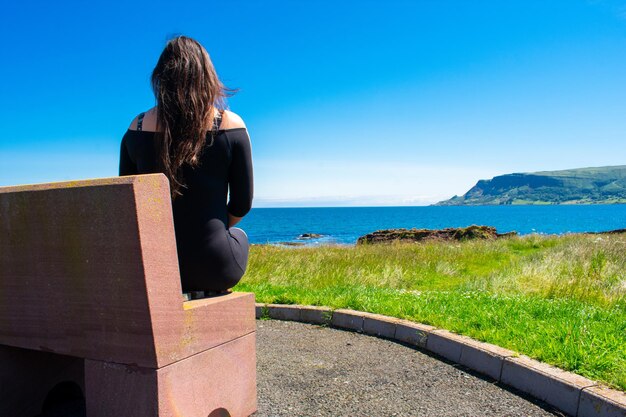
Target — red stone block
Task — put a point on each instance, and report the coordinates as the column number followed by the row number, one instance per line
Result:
column 71, row 271
column 220, row 378
column 89, row 269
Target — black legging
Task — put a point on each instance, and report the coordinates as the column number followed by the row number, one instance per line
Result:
column 219, row 266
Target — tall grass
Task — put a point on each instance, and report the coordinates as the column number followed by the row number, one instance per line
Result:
column 558, row 299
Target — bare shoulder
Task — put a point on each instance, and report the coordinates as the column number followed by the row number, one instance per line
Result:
column 149, row 120
column 231, row 120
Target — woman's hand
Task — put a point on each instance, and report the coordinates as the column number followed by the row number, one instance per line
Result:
column 233, row 220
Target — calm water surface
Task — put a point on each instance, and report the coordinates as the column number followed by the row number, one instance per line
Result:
column 345, row 224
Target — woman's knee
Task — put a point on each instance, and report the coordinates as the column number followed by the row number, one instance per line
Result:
column 240, row 235
column 240, row 247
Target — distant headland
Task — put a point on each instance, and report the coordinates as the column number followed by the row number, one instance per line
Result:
column 602, row 185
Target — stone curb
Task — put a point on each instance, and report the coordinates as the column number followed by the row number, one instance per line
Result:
column 571, row 393
column 556, row 387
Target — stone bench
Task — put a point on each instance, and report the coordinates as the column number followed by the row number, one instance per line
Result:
column 91, row 306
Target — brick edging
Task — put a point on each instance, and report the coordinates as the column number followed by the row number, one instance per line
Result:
column 571, row 393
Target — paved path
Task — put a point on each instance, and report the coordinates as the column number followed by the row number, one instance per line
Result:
column 313, row 371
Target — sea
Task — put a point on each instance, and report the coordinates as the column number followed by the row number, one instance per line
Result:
column 344, row 225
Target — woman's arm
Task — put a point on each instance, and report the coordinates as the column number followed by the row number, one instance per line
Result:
column 240, row 176
column 127, row 166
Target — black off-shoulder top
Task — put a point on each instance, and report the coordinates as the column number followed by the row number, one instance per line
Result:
column 221, row 184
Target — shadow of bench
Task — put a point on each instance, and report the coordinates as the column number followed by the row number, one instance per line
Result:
column 91, row 304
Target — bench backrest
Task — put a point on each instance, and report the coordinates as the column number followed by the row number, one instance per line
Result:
column 89, row 268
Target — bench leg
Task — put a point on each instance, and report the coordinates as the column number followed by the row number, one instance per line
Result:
column 218, row 382
column 27, row 378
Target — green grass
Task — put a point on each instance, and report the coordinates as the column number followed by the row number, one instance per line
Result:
column 561, row 300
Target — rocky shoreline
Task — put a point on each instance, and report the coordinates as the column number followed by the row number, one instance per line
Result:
column 449, row 234
column 419, row 235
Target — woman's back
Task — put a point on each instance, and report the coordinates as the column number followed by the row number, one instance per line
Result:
column 212, row 256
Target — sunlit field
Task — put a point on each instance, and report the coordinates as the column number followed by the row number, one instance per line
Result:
column 561, row 300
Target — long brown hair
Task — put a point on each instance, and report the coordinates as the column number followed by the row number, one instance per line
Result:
column 188, row 92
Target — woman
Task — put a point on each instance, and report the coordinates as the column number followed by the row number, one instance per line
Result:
column 204, row 150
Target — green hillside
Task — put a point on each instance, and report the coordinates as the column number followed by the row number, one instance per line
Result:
column 602, row 185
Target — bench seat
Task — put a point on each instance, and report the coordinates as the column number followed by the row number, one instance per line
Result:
column 90, row 292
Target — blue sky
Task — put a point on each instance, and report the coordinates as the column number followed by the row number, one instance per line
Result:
column 347, row 103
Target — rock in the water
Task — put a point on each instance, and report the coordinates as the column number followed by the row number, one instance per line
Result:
column 418, row 235
column 306, row 236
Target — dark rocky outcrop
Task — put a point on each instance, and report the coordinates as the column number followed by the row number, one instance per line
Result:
column 418, row 235
column 306, row 236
